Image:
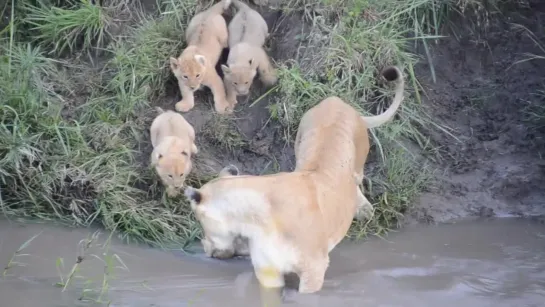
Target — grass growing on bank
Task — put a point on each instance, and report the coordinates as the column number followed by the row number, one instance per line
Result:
column 73, row 136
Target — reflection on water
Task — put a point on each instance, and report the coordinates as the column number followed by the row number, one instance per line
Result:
column 490, row 263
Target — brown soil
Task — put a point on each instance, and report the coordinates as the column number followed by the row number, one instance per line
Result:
column 497, row 166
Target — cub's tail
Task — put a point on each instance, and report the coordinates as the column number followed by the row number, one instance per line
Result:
column 220, row 7
column 391, row 73
column 240, row 5
column 159, row 110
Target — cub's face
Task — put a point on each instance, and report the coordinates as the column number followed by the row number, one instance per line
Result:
column 189, row 70
column 173, row 168
column 240, row 77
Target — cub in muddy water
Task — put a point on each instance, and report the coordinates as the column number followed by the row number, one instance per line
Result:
column 247, row 34
column 173, row 141
column 206, row 37
column 292, row 220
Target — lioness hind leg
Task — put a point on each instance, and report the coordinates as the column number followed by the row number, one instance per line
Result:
column 364, row 208
column 312, row 275
column 269, row 277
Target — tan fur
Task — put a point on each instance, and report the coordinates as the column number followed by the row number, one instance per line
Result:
column 247, row 33
column 206, row 37
column 173, row 141
column 240, row 244
column 293, row 220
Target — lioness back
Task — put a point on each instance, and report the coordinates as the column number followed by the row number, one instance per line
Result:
column 331, row 136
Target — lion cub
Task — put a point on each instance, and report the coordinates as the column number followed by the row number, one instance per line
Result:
column 247, row 33
column 206, row 37
column 173, row 141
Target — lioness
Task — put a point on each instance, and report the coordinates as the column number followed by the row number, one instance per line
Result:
column 206, row 37
column 247, row 33
column 294, row 219
column 240, row 244
column 173, row 141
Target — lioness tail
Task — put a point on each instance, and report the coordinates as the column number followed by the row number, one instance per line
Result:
column 220, row 7
column 391, row 73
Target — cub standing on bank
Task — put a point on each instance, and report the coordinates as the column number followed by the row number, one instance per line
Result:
column 247, row 33
column 173, row 141
column 206, row 37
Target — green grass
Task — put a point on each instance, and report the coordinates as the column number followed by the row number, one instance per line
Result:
column 73, row 131
column 62, row 28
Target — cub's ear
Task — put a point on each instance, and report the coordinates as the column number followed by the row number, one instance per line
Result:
column 193, row 194
column 225, row 69
column 173, row 63
column 155, row 157
column 201, row 59
column 229, row 170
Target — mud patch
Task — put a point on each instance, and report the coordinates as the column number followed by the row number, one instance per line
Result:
column 496, row 167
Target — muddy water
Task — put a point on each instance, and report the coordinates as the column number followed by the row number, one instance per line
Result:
column 488, row 263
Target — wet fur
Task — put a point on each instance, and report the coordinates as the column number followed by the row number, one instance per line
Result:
column 206, row 37
column 247, row 34
column 294, row 219
column 173, row 141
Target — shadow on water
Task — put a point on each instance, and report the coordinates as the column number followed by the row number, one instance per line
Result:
column 491, row 263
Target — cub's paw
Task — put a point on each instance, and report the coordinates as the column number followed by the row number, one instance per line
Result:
column 224, row 108
column 183, row 106
column 172, row 191
column 269, row 78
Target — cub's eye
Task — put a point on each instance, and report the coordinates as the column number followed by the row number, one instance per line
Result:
column 170, row 176
column 198, row 75
column 235, row 83
column 246, row 82
column 185, row 77
column 182, row 174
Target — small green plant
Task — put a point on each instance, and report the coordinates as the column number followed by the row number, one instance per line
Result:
column 92, row 290
column 13, row 262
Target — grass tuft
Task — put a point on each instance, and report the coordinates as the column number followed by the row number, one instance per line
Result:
column 83, row 24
